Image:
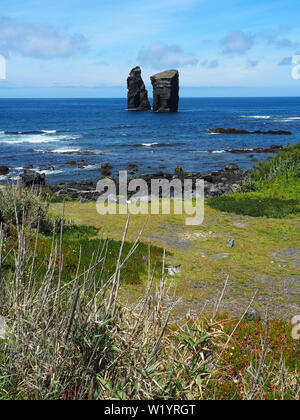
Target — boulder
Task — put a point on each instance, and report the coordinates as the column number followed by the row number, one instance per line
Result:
column 232, row 167
column 4, row 170
column 137, row 93
column 30, row 178
column 230, row 243
column 165, row 91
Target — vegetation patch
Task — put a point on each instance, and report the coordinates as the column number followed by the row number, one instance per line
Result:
column 272, row 189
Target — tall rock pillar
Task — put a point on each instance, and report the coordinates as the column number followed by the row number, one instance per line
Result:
column 137, row 93
column 165, row 91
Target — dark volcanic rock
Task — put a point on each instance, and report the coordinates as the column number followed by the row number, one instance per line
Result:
column 30, row 178
column 165, row 91
column 137, row 93
column 271, row 149
column 4, row 170
column 232, row 167
column 235, row 131
column 215, row 183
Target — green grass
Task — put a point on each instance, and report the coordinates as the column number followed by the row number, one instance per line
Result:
column 272, row 189
column 83, row 244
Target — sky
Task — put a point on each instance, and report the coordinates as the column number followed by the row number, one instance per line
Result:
column 86, row 48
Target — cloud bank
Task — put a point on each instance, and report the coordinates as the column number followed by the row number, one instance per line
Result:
column 237, row 42
column 160, row 55
column 37, row 41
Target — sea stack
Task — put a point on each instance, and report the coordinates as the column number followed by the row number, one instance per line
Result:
column 137, row 93
column 165, row 91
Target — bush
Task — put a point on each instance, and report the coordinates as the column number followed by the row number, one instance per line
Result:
column 76, row 340
column 19, row 205
column 272, row 189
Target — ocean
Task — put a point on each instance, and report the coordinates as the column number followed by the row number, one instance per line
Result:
column 49, row 133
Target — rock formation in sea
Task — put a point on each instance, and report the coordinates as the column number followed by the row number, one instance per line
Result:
column 235, row 131
column 137, row 93
column 165, row 91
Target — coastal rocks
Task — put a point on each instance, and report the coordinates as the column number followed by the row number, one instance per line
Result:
column 235, row 131
column 137, row 93
column 106, row 169
column 215, row 183
column 49, row 168
column 82, row 191
column 4, row 170
column 30, row 178
column 165, row 91
column 271, row 149
column 232, row 167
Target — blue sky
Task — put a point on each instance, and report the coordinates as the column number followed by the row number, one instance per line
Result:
column 86, row 48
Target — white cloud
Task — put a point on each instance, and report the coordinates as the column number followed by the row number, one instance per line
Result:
column 161, row 55
column 237, row 42
column 212, row 64
column 37, row 41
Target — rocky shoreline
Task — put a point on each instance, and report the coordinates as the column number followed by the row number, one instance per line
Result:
column 215, row 183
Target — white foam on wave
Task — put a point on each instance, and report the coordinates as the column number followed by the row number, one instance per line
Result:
column 263, row 117
column 287, row 119
column 35, row 138
column 49, row 172
column 31, row 140
column 149, row 144
column 206, row 151
column 65, row 151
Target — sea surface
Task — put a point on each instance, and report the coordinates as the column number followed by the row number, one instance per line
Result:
column 48, row 133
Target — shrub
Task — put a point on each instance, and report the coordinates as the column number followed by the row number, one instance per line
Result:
column 20, row 205
column 272, row 189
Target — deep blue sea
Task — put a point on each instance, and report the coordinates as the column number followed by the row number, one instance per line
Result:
column 51, row 132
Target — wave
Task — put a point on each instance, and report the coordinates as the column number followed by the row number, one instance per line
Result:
column 263, row 117
column 64, row 151
column 25, row 133
column 71, row 151
column 156, row 144
column 275, row 118
column 149, row 144
column 37, row 138
column 206, row 151
column 33, row 139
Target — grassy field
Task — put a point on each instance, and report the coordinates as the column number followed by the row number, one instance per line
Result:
column 81, row 325
column 263, row 219
column 257, row 261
